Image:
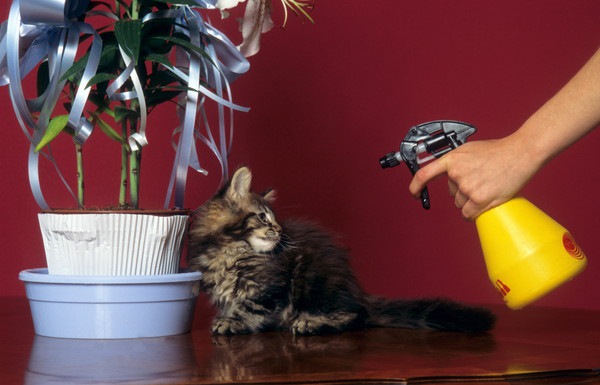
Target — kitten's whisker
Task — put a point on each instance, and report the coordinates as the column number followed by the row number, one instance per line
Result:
column 286, row 245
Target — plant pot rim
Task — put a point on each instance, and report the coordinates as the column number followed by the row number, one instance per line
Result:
column 157, row 212
column 41, row 275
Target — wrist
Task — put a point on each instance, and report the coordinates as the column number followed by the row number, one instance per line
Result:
column 536, row 142
column 530, row 151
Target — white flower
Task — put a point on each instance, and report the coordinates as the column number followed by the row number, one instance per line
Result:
column 257, row 20
column 227, row 4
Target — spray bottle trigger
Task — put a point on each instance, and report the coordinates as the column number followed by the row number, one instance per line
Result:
column 413, row 165
column 425, row 202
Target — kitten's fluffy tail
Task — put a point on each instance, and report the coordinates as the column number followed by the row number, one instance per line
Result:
column 436, row 314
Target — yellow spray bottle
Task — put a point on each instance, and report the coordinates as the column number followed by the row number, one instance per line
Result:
column 527, row 253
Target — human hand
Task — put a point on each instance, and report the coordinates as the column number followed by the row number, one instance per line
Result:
column 481, row 174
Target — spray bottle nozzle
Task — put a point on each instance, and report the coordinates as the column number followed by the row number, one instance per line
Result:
column 426, row 142
column 391, row 159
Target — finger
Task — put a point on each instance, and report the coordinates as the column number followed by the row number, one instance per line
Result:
column 470, row 211
column 426, row 175
column 460, row 200
column 452, row 188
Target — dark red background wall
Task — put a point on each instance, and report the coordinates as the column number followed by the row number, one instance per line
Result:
column 329, row 99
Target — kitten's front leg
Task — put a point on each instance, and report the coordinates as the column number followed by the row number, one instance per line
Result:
column 238, row 249
column 245, row 293
column 246, row 317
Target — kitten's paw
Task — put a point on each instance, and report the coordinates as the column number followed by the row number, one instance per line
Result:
column 228, row 326
column 301, row 327
column 307, row 324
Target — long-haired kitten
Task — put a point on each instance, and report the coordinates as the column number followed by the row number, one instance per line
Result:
column 262, row 275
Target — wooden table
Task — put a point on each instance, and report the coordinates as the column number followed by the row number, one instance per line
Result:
column 532, row 346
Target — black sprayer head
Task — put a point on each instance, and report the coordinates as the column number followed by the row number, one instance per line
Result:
column 389, row 160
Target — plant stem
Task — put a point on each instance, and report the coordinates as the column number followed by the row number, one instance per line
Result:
column 135, row 160
column 124, row 156
column 134, row 10
column 80, row 189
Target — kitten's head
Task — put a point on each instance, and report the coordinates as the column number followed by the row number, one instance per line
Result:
column 236, row 213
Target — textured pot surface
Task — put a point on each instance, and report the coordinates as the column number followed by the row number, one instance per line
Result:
column 113, row 243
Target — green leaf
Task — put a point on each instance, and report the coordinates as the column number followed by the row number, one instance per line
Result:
column 122, row 113
column 55, row 127
column 124, row 4
column 163, row 78
column 176, row 88
column 109, row 131
column 109, row 54
column 185, row 44
column 162, row 59
column 157, row 27
column 101, row 101
column 76, row 69
column 99, row 78
column 159, row 97
column 129, row 37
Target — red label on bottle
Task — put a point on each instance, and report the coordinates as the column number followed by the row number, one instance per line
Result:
column 572, row 247
column 502, row 288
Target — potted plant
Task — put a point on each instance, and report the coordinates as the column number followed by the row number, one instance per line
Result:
column 103, row 66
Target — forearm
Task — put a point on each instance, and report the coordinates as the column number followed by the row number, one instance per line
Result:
column 484, row 174
column 568, row 116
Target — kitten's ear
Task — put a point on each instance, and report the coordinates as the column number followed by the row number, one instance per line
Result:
column 270, row 195
column 239, row 186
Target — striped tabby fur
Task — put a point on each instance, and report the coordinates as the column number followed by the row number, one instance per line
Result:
column 262, row 275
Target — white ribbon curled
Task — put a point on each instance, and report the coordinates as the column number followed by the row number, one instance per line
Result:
column 39, row 30
column 225, row 65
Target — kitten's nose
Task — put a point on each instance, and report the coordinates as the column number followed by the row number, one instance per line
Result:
column 272, row 233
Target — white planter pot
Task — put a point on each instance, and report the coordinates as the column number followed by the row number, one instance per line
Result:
column 112, row 243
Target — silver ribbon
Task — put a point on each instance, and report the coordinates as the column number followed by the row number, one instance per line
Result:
column 225, row 65
column 137, row 139
column 38, row 30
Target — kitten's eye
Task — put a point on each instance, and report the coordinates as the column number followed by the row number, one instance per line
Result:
column 263, row 218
